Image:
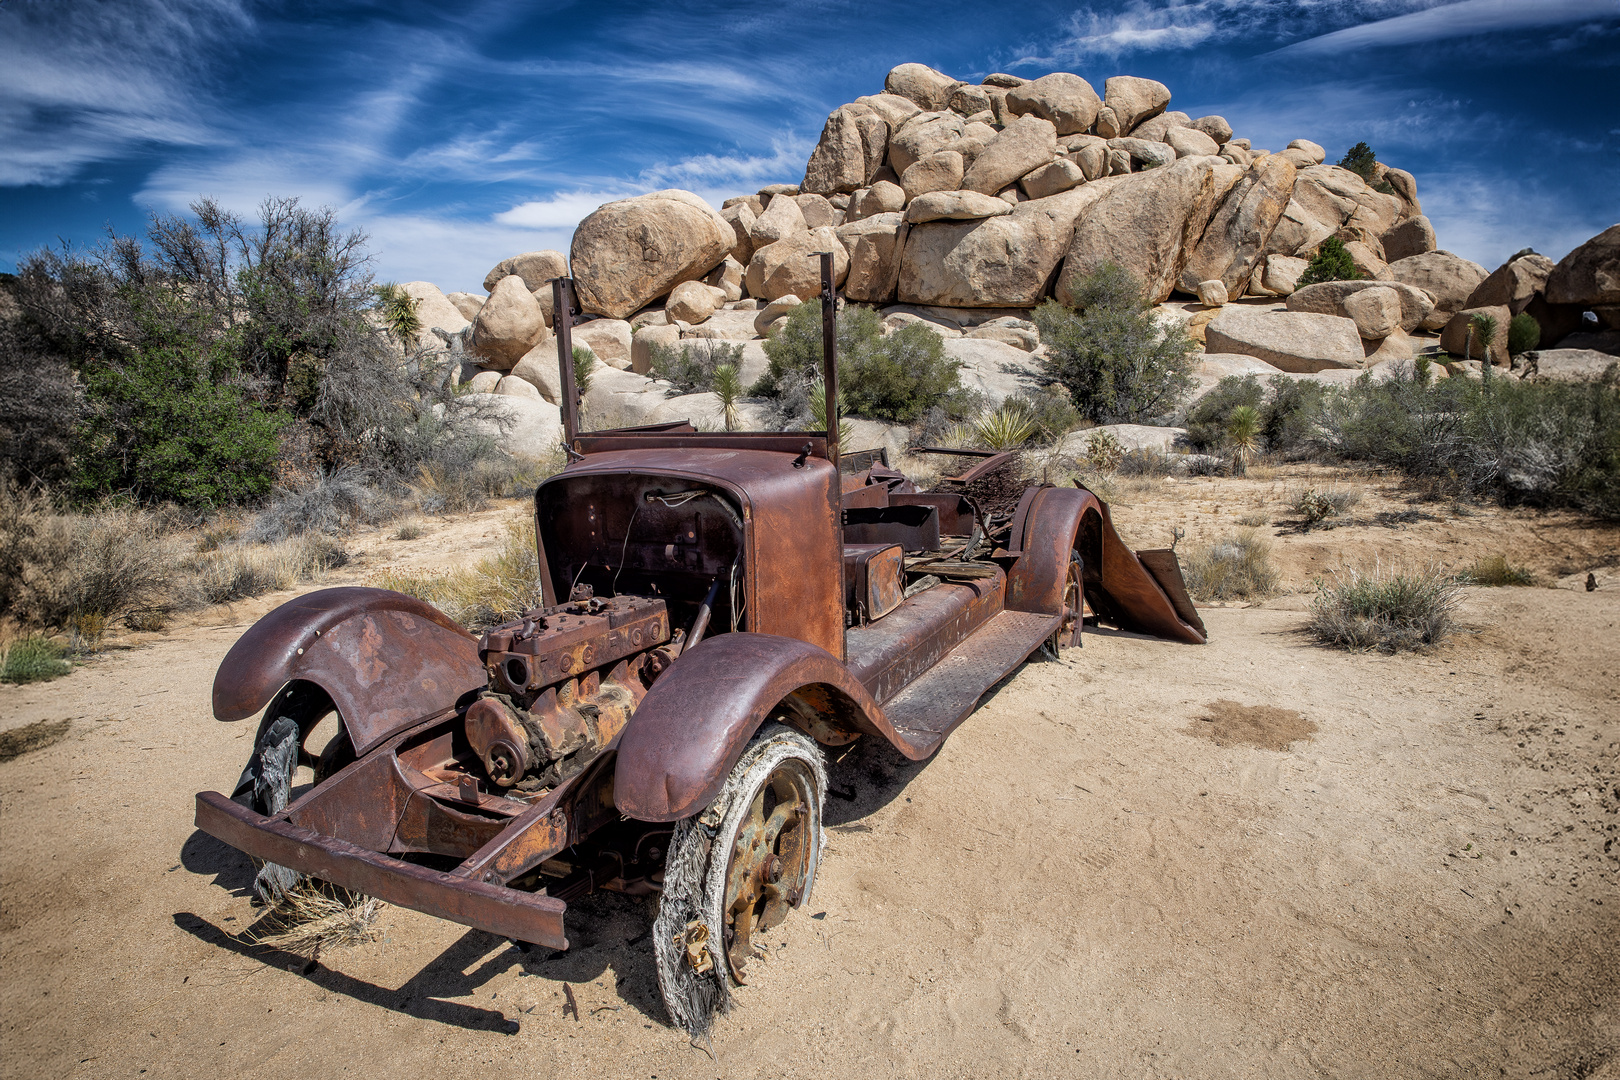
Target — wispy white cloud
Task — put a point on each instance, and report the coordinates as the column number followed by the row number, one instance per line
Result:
column 1108, row 31
column 1488, row 218
column 88, row 81
column 1462, row 19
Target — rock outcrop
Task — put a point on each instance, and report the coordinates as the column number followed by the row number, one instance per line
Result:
column 509, row 324
column 628, row 253
column 1288, row 340
column 1147, row 225
column 1449, row 279
column 1241, row 227
column 1589, row 276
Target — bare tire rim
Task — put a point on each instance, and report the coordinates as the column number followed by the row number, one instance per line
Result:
column 770, row 863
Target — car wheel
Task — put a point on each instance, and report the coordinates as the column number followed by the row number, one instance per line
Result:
column 267, row 782
column 736, row 869
column 1067, row 634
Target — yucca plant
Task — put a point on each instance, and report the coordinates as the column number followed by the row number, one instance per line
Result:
column 959, row 436
column 1484, row 326
column 1005, row 428
column 398, row 310
column 818, row 412
column 728, row 388
column 1243, row 432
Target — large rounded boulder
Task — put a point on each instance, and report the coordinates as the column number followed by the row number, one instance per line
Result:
column 1589, row 275
column 628, row 253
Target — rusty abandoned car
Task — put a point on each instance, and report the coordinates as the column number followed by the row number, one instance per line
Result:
column 718, row 608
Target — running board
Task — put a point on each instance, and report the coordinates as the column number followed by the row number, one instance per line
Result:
column 928, row 710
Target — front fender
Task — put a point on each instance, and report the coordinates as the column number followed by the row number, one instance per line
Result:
column 689, row 731
column 388, row 660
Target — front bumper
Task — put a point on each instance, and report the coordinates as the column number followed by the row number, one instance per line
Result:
column 511, row 913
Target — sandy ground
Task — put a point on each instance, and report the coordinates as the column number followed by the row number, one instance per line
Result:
column 1090, row 879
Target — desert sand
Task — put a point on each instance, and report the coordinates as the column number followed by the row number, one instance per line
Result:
column 1256, row 858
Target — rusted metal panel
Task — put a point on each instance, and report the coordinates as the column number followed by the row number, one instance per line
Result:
column 893, row 651
column 1166, row 570
column 915, row 528
column 506, row 912
column 955, row 513
column 362, row 806
column 808, row 443
column 874, row 579
column 678, row 748
column 933, row 705
column 790, row 507
column 386, row 659
column 1117, row 584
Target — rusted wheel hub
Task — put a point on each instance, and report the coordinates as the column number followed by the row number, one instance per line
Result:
column 770, row 860
column 1067, row 635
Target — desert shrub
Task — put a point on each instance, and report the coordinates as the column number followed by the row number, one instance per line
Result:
column 211, row 347
column 1332, row 262
column 1103, row 451
column 1385, row 609
column 330, row 504
column 1211, row 416
column 32, row 658
column 1050, row 410
column 411, row 530
column 83, row 572
column 690, row 367
column 1236, row 567
column 1286, row 409
column 898, row 378
column 1315, row 505
column 1118, row 363
column 499, row 588
column 1545, row 444
column 40, row 402
column 240, row 571
column 1496, row 570
column 1524, row 333
column 1147, row 462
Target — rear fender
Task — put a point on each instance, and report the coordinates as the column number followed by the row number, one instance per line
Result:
column 386, row 659
column 687, row 734
column 1037, row 580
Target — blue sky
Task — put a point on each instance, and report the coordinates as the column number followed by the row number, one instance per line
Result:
column 456, row 135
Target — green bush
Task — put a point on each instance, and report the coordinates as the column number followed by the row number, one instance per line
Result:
column 898, row 378
column 584, row 365
column 1117, row 362
column 173, row 422
column 1360, row 160
column 34, row 658
column 1330, row 263
column 690, row 366
column 1545, row 444
column 1524, row 333
column 1287, row 410
column 212, row 350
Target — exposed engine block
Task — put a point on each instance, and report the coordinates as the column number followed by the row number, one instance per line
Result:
column 563, row 682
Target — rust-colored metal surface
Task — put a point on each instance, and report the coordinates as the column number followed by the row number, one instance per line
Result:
column 387, row 660
column 875, row 580
column 1117, row 584
column 790, row 508
column 508, row 912
column 693, row 726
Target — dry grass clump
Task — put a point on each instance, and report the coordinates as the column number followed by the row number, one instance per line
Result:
column 1256, row 520
column 1315, row 505
column 239, row 571
column 1236, row 567
column 1386, row 609
column 499, row 589
column 86, row 572
column 316, row 916
column 462, row 487
column 1496, row 570
column 411, row 530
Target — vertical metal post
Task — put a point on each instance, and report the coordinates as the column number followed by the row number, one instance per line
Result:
column 562, row 307
column 829, row 353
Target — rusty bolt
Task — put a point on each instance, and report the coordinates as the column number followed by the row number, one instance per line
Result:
column 772, row 868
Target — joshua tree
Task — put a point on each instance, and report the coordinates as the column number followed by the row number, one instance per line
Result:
column 1243, row 429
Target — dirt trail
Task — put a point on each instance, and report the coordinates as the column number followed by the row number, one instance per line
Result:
column 1078, row 885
